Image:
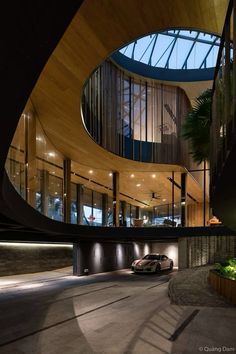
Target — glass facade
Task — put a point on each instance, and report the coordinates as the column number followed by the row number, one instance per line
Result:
column 15, row 164
column 134, row 118
column 131, row 117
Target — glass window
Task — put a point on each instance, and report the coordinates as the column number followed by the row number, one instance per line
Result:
column 15, row 163
column 97, row 208
column 87, row 207
column 110, row 212
column 152, row 257
column 55, row 200
column 73, row 203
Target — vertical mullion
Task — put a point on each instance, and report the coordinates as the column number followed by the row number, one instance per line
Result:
column 173, row 197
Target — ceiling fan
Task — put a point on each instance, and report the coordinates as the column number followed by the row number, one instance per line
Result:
column 155, row 195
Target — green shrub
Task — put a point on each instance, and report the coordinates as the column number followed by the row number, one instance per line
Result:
column 227, row 268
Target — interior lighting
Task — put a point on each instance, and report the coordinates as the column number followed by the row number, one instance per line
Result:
column 91, row 171
column 136, row 250
column 138, row 185
column 31, row 286
column 153, row 176
column 38, row 244
column 110, row 174
column 51, row 154
column 55, row 193
column 120, row 255
column 4, row 282
column 132, row 175
column 164, row 200
column 146, row 248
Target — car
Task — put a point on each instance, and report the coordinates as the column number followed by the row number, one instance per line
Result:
column 152, row 263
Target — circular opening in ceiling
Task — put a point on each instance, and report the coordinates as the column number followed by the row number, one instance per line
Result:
column 172, row 55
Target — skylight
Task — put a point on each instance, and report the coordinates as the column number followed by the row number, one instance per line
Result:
column 175, row 49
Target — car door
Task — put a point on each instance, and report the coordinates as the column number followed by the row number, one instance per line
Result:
column 164, row 262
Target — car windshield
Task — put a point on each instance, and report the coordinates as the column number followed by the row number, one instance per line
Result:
column 152, row 256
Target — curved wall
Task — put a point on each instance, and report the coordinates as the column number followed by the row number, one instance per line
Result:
column 135, row 118
column 101, row 42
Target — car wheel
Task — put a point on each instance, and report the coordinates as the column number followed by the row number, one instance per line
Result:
column 158, row 268
column 171, row 265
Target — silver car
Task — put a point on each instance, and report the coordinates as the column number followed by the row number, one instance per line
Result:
column 152, row 263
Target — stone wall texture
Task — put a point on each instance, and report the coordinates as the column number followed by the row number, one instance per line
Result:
column 20, row 259
column 201, row 250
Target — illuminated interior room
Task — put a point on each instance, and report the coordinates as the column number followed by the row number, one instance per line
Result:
column 117, row 176
column 95, row 151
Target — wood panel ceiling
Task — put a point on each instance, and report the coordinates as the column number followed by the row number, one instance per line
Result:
column 99, row 28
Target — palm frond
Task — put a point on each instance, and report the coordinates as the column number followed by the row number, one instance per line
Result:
column 196, row 127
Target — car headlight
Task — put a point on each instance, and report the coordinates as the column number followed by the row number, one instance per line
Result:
column 134, row 262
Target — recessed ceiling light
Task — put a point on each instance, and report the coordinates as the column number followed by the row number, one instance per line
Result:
column 110, row 174
column 51, row 154
column 56, row 193
column 90, row 171
column 153, row 176
column 132, row 175
column 164, row 200
column 138, row 185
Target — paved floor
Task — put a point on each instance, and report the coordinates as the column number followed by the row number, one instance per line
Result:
column 191, row 287
column 118, row 312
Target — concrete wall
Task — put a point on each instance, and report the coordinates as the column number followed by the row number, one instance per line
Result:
column 17, row 258
column 169, row 249
column 103, row 257
column 201, row 250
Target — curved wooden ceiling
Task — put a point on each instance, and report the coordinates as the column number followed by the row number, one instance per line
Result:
column 99, row 28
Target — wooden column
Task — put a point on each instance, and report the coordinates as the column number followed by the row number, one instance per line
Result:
column 137, row 212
